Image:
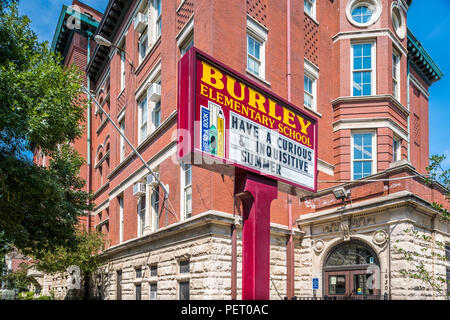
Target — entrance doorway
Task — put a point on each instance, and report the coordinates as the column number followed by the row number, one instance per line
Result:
column 352, row 271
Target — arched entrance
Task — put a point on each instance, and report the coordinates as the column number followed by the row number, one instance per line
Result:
column 352, row 271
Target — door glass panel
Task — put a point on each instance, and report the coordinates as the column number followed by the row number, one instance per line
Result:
column 362, row 284
column 336, row 285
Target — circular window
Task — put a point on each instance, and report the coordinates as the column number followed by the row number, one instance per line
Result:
column 363, row 13
column 398, row 20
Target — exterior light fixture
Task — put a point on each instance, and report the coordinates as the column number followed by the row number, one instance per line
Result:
column 341, row 194
column 106, row 43
column 102, row 41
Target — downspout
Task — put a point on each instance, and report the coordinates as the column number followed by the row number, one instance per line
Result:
column 234, row 249
column 89, row 160
column 290, row 244
column 408, row 101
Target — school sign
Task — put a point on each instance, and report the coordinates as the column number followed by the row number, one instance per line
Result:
column 225, row 120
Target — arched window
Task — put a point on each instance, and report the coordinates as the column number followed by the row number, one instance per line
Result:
column 352, row 270
column 350, row 255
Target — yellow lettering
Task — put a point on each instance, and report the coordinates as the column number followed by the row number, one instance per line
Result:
column 231, row 87
column 272, row 108
column 288, row 116
column 204, row 90
column 304, row 125
column 254, row 98
column 211, row 73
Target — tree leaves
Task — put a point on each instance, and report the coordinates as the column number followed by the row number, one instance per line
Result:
column 40, row 103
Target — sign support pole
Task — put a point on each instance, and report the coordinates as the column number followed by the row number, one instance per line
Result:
column 256, row 194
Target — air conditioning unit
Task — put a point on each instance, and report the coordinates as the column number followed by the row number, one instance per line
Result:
column 139, row 189
column 151, row 181
column 140, row 22
column 154, row 92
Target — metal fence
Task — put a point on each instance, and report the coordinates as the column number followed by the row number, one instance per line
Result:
column 344, row 298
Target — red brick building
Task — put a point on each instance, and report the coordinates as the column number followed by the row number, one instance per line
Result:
column 352, row 64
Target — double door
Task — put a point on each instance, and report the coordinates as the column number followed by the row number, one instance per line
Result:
column 354, row 284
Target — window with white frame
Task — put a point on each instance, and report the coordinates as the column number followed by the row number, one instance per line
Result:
column 186, row 196
column 153, row 291
column 397, row 149
column 156, row 111
column 121, row 219
column 143, row 45
column 122, row 140
column 396, row 75
column 141, row 215
column 155, row 208
column 256, row 48
column 311, row 75
column 310, row 7
column 187, row 45
column 143, row 118
column 363, row 64
column 122, row 70
column 157, row 5
column 185, row 39
column 363, row 154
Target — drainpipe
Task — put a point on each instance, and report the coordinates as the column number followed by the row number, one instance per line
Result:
column 408, row 101
column 234, row 249
column 89, row 160
column 290, row 245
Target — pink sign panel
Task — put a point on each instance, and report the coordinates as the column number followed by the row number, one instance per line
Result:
column 227, row 121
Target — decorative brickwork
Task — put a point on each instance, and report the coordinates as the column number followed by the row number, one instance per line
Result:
column 257, row 9
column 184, row 13
column 311, row 40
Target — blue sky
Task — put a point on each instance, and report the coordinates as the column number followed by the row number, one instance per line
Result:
column 428, row 20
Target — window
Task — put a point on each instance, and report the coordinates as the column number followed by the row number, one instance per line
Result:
column 122, row 70
column 254, row 55
column 158, row 17
column 154, row 270
column 256, row 39
column 310, row 8
column 362, row 14
column 138, row 291
column 141, row 215
column 119, row 285
column 156, row 113
column 138, row 273
column 186, row 176
column 397, row 149
column 155, row 207
column 143, row 118
column 362, row 82
column 184, row 266
column 189, row 44
column 398, row 20
column 184, row 290
column 447, row 253
column 120, row 219
column 153, row 291
column 363, row 155
column 447, row 278
column 143, row 46
column 309, row 94
column 395, row 75
column 122, row 140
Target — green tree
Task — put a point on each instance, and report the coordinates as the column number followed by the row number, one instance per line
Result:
column 18, row 279
column 40, row 104
column 429, row 247
column 85, row 256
